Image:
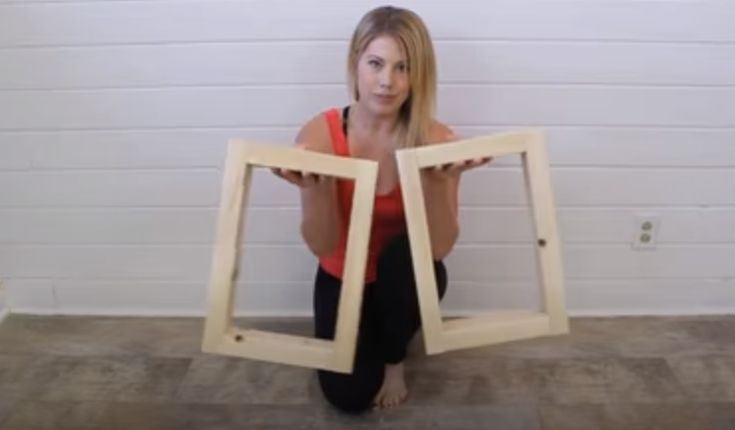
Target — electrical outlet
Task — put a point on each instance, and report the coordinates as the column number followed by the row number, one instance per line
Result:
column 645, row 230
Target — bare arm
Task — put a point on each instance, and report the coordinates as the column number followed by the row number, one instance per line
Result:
column 319, row 212
column 441, row 196
column 320, row 217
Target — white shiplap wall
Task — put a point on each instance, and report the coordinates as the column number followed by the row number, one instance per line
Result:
column 114, row 116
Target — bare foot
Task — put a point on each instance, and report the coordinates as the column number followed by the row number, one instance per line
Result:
column 393, row 392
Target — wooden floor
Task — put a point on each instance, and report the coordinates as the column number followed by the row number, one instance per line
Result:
column 148, row 373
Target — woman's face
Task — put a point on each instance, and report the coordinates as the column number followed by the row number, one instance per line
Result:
column 382, row 77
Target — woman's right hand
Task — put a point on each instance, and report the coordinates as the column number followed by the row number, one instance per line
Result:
column 302, row 178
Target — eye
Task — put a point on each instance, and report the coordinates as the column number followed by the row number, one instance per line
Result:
column 374, row 63
column 402, row 68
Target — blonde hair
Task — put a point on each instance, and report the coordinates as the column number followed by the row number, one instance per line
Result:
column 411, row 33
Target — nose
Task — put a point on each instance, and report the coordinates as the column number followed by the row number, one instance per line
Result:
column 386, row 78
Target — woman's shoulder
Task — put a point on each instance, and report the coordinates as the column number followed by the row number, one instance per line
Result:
column 315, row 135
column 441, row 133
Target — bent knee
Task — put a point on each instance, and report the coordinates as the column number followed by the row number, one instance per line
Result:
column 347, row 394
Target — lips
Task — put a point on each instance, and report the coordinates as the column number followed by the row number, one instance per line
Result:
column 385, row 98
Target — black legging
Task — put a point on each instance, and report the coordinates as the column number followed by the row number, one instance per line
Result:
column 389, row 319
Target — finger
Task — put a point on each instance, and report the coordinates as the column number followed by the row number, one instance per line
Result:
column 284, row 174
column 471, row 164
column 309, row 178
column 447, row 169
column 484, row 160
column 290, row 175
column 460, row 166
column 315, row 178
column 456, row 167
column 435, row 171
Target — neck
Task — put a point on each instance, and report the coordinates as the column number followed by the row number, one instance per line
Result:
column 366, row 122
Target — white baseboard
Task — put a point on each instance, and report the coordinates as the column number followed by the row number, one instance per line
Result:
column 303, row 313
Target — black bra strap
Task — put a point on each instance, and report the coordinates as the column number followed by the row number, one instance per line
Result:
column 345, row 115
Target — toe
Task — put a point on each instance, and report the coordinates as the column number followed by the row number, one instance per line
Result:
column 378, row 399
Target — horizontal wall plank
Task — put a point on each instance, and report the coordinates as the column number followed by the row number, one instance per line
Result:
column 30, row 295
column 296, row 264
column 482, row 263
column 566, row 146
column 120, row 22
column 604, row 187
column 14, row 155
column 585, row 62
column 630, row 147
column 526, row 105
column 652, row 297
column 303, row 62
column 596, row 297
column 110, row 188
column 180, row 262
column 180, row 107
column 605, row 225
column 641, row 187
column 119, row 226
column 589, row 297
column 485, row 186
column 130, row 149
column 520, row 105
column 163, row 298
column 144, row 297
column 141, row 226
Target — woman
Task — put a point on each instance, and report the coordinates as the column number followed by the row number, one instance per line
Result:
column 392, row 78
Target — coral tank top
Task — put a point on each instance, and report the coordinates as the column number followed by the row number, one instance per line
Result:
column 388, row 216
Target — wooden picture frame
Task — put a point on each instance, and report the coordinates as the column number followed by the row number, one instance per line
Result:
column 220, row 334
column 440, row 336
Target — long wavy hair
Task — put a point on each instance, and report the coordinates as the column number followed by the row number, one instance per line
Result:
column 410, row 32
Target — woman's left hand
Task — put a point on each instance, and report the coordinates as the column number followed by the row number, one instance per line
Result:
column 455, row 169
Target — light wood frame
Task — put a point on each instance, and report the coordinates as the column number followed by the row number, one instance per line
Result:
column 440, row 336
column 220, row 334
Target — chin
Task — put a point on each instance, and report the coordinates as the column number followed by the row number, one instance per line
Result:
column 386, row 109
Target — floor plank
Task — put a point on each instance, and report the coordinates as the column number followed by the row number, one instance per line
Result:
column 141, row 373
